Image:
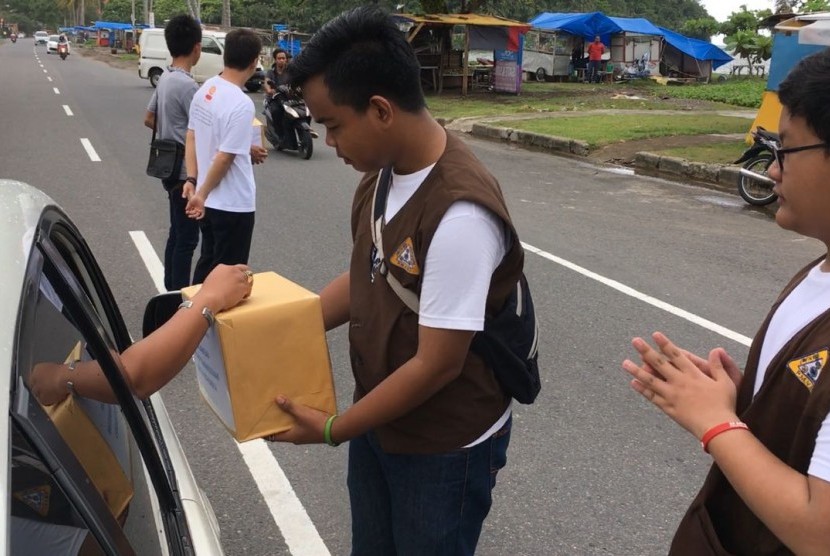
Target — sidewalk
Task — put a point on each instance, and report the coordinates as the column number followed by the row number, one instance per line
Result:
column 722, row 177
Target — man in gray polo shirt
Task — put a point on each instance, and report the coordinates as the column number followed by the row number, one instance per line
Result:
column 168, row 112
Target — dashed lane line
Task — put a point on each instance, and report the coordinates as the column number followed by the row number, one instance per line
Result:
column 90, row 150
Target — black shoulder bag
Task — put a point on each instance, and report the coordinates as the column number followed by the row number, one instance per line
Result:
column 166, row 158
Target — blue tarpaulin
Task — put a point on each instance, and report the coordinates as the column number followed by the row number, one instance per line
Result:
column 697, row 49
column 114, row 26
column 588, row 25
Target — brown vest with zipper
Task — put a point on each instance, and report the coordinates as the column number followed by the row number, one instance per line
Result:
column 383, row 333
column 785, row 416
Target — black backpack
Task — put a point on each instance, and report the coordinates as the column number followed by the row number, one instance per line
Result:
column 509, row 342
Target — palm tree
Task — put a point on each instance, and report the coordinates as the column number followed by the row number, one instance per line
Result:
column 226, row 13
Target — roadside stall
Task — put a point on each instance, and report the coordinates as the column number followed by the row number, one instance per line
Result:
column 636, row 48
column 444, row 54
column 555, row 45
column 115, row 35
column 690, row 59
column 792, row 40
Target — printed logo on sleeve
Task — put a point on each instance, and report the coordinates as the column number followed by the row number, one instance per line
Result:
column 808, row 368
column 404, row 258
column 210, row 93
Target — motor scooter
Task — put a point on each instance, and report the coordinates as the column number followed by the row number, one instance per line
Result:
column 754, row 185
column 63, row 50
column 13, row 37
column 292, row 129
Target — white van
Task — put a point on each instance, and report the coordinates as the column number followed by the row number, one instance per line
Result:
column 155, row 58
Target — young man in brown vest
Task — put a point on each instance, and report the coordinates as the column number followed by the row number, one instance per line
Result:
column 768, row 430
column 430, row 424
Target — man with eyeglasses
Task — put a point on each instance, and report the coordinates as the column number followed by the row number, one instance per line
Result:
column 768, row 428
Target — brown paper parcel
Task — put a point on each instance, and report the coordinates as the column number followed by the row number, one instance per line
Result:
column 272, row 343
column 93, row 453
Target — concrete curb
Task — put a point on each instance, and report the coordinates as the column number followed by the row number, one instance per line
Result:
column 717, row 176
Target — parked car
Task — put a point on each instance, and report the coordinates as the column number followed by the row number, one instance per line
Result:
column 41, row 37
column 81, row 477
column 154, row 58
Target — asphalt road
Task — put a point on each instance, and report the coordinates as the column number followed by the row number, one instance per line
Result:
column 592, row 468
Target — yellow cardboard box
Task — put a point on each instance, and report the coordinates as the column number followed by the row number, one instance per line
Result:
column 93, row 452
column 272, row 343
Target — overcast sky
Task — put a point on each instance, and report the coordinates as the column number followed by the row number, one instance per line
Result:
column 720, row 9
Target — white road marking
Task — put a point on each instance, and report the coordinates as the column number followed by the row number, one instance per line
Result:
column 621, row 171
column 49, row 79
column 44, row 71
column 57, row 91
column 93, row 156
column 288, row 512
column 676, row 311
column 67, row 110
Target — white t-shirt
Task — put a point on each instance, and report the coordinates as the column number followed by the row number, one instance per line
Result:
column 221, row 117
column 808, row 300
column 468, row 245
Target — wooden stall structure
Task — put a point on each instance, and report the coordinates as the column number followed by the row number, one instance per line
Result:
column 444, row 54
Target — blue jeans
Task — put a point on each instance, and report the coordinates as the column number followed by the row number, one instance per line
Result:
column 181, row 241
column 420, row 505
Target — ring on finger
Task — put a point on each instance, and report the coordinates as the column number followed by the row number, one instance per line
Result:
column 249, row 275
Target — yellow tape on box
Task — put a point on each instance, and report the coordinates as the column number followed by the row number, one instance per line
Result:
column 272, row 343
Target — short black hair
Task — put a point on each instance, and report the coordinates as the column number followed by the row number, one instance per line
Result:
column 242, row 47
column 805, row 92
column 362, row 53
column 182, row 33
column 277, row 51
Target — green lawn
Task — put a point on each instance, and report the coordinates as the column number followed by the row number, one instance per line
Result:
column 575, row 97
column 599, row 130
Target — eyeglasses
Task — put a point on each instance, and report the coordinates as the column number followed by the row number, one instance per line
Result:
column 779, row 152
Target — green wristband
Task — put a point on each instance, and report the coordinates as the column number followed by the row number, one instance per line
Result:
column 327, row 431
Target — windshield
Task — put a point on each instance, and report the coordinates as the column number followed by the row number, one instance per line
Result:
column 53, row 38
column 40, row 34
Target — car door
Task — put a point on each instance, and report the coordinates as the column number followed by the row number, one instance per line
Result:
column 210, row 62
column 85, row 477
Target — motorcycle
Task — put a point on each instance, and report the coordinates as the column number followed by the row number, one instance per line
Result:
column 13, row 37
column 754, row 185
column 292, row 130
column 63, row 50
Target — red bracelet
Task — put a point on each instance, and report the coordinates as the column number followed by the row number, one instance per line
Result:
column 717, row 429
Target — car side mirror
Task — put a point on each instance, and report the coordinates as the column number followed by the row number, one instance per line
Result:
column 159, row 310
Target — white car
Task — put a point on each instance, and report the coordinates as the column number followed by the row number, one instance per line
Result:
column 52, row 44
column 81, row 477
column 41, row 37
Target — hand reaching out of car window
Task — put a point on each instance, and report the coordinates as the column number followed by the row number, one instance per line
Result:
column 154, row 361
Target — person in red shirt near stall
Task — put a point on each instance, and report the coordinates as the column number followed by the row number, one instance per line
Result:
column 595, row 51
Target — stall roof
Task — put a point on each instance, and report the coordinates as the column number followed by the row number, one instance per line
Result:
column 697, row 49
column 463, row 19
column 585, row 25
column 636, row 25
column 114, row 26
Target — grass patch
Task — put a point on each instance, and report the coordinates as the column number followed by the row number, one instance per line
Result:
column 738, row 91
column 576, row 97
column 128, row 56
column 599, row 130
column 726, row 152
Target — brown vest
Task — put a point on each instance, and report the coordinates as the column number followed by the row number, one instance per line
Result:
column 785, row 416
column 383, row 332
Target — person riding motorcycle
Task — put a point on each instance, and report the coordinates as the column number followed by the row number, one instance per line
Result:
column 13, row 37
column 276, row 77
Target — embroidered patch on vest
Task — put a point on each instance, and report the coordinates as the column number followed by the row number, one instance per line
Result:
column 808, row 368
column 36, row 498
column 404, row 257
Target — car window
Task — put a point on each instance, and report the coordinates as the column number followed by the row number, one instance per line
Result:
column 92, row 441
column 209, row 46
column 53, row 38
column 43, row 518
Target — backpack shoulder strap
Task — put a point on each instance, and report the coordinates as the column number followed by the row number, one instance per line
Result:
column 409, row 298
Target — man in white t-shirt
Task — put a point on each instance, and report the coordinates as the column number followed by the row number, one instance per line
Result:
column 768, row 430
column 218, row 157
